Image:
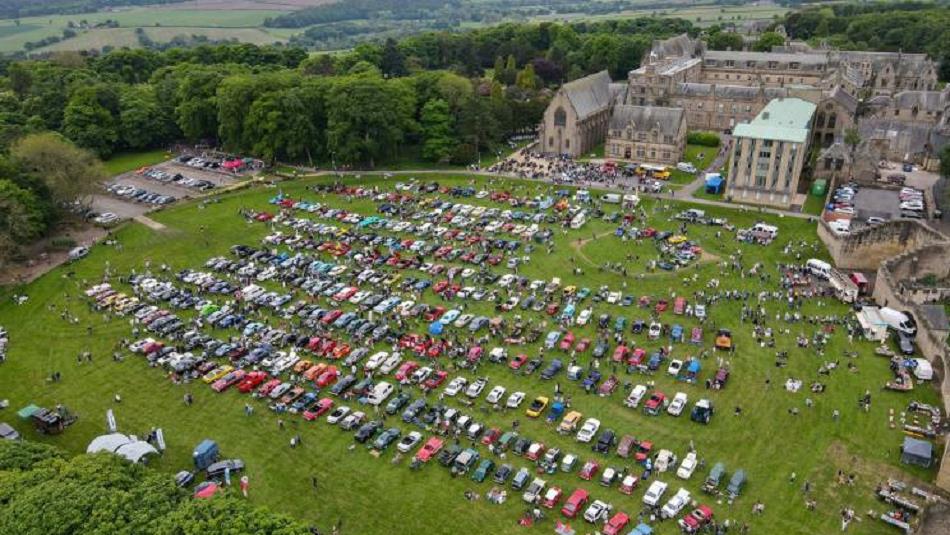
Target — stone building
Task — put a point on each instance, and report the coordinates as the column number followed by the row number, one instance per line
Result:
column 920, row 107
column 576, row 119
column 769, row 152
column 836, row 113
column 646, row 134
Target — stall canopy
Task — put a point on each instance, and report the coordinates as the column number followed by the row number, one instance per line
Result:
column 122, row 445
column 915, row 451
column 714, row 183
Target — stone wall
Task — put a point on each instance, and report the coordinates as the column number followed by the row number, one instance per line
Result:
column 867, row 248
column 932, row 342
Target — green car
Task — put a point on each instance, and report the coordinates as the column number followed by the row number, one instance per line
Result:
column 484, row 468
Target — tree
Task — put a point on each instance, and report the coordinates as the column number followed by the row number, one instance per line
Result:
column 724, row 41
column 142, row 122
column 945, row 161
column 527, row 79
column 393, row 62
column 21, row 218
column 768, row 40
column 70, row 173
column 367, row 117
column 438, row 143
column 90, row 118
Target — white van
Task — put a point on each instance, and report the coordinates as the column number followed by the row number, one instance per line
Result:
column 380, row 392
column 899, row 321
column 78, row 252
column 772, row 231
column 631, row 200
column 611, row 198
column 582, row 195
column 819, row 268
column 578, row 221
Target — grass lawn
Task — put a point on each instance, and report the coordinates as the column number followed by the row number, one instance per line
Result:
column 814, row 204
column 697, row 155
column 374, row 495
column 130, row 161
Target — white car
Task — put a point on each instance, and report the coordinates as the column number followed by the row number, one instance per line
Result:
column 463, row 320
column 515, row 400
column 653, row 494
column 534, row 490
column 687, row 467
column 455, row 386
column 390, row 364
column 676, row 504
column 588, row 430
column 421, row 374
column 636, row 395
column 654, row 331
column 674, row 368
column 338, row 414
column 700, row 311
column 584, row 316
column 597, row 512
column 664, row 461
column 496, row 394
column 409, row 441
column 678, row 404
column 475, row 389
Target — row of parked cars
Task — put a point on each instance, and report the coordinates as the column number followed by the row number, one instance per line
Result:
column 177, row 179
column 141, row 195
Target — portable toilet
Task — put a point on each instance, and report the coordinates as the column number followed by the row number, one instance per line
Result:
column 205, row 454
column 819, row 187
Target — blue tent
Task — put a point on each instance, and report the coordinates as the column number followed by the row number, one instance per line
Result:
column 642, row 529
column 435, row 328
column 693, row 367
column 714, row 183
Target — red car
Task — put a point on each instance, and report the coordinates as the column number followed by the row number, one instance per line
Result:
column 620, row 353
column 535, row 451
column 228, row 380
column 636, row 356
column 575, row 503
column 440, row 286
column 567, row 341
column 616, row 524
column 405, row 371
column 519, row 361
column 410, row 340
column 435, row 349
column 695, row 521
column 345, row 294
column 655, row 403
column 552, row 309
column 589, row 470
column 314, row 343
column 322, row 407
column 328, row 377
column 475, row 354
column 661, row 306
column 582, row 345
column 331, row 316
column 264, row 216
column 268, row 387
column 429, row 449
column 607, row 387
column 435, row 313
column 251, row 381
column 435, row 380
column 643, row 451
column 551, row 497
column 491, row 436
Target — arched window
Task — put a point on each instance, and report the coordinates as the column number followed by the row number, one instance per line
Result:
column 560, row 117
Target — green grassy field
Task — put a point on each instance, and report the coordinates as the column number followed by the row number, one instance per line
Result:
column 374, row 495
column 697, row 155
column 130, row 161
column 814, row 204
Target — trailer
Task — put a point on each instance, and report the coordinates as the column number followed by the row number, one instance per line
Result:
column 845, row 289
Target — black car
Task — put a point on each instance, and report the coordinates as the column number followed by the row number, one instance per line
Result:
column 366, row 431
column 342, row 385
column 521, row 446
column 533, row 365
column 605, row 441
column 502, row 474
column 217, row 469
column 397, row 402
column 449, row 454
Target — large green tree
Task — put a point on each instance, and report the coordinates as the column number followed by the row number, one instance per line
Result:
column 69, row 173
column 438, row 142
column 367, row 118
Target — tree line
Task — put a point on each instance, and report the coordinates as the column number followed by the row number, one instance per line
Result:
column 44, row 492
column 11, row 9
column 912, row 27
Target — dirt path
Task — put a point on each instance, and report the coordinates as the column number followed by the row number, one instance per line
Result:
column 578, row 245
column 150, row 223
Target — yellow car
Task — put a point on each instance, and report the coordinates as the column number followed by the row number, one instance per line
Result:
column 217, row 373
column 537, row 406
column 570, row 290
column 679, row 238
column 569, row 423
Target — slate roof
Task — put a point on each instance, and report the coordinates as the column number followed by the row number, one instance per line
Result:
column 667, row 121
column 589, row 94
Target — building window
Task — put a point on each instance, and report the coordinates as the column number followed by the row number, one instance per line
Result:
column 730, row 63
column 668, row 139
column 551, row 141
column 560, row 117
column 567, row 143
column 773, row 64
column 666, row 155
column 832, row 120
column 640, row 152
column 794, row 65
column 750, row 64
column 652, row 154
column 642, row 136
column 760, row 181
